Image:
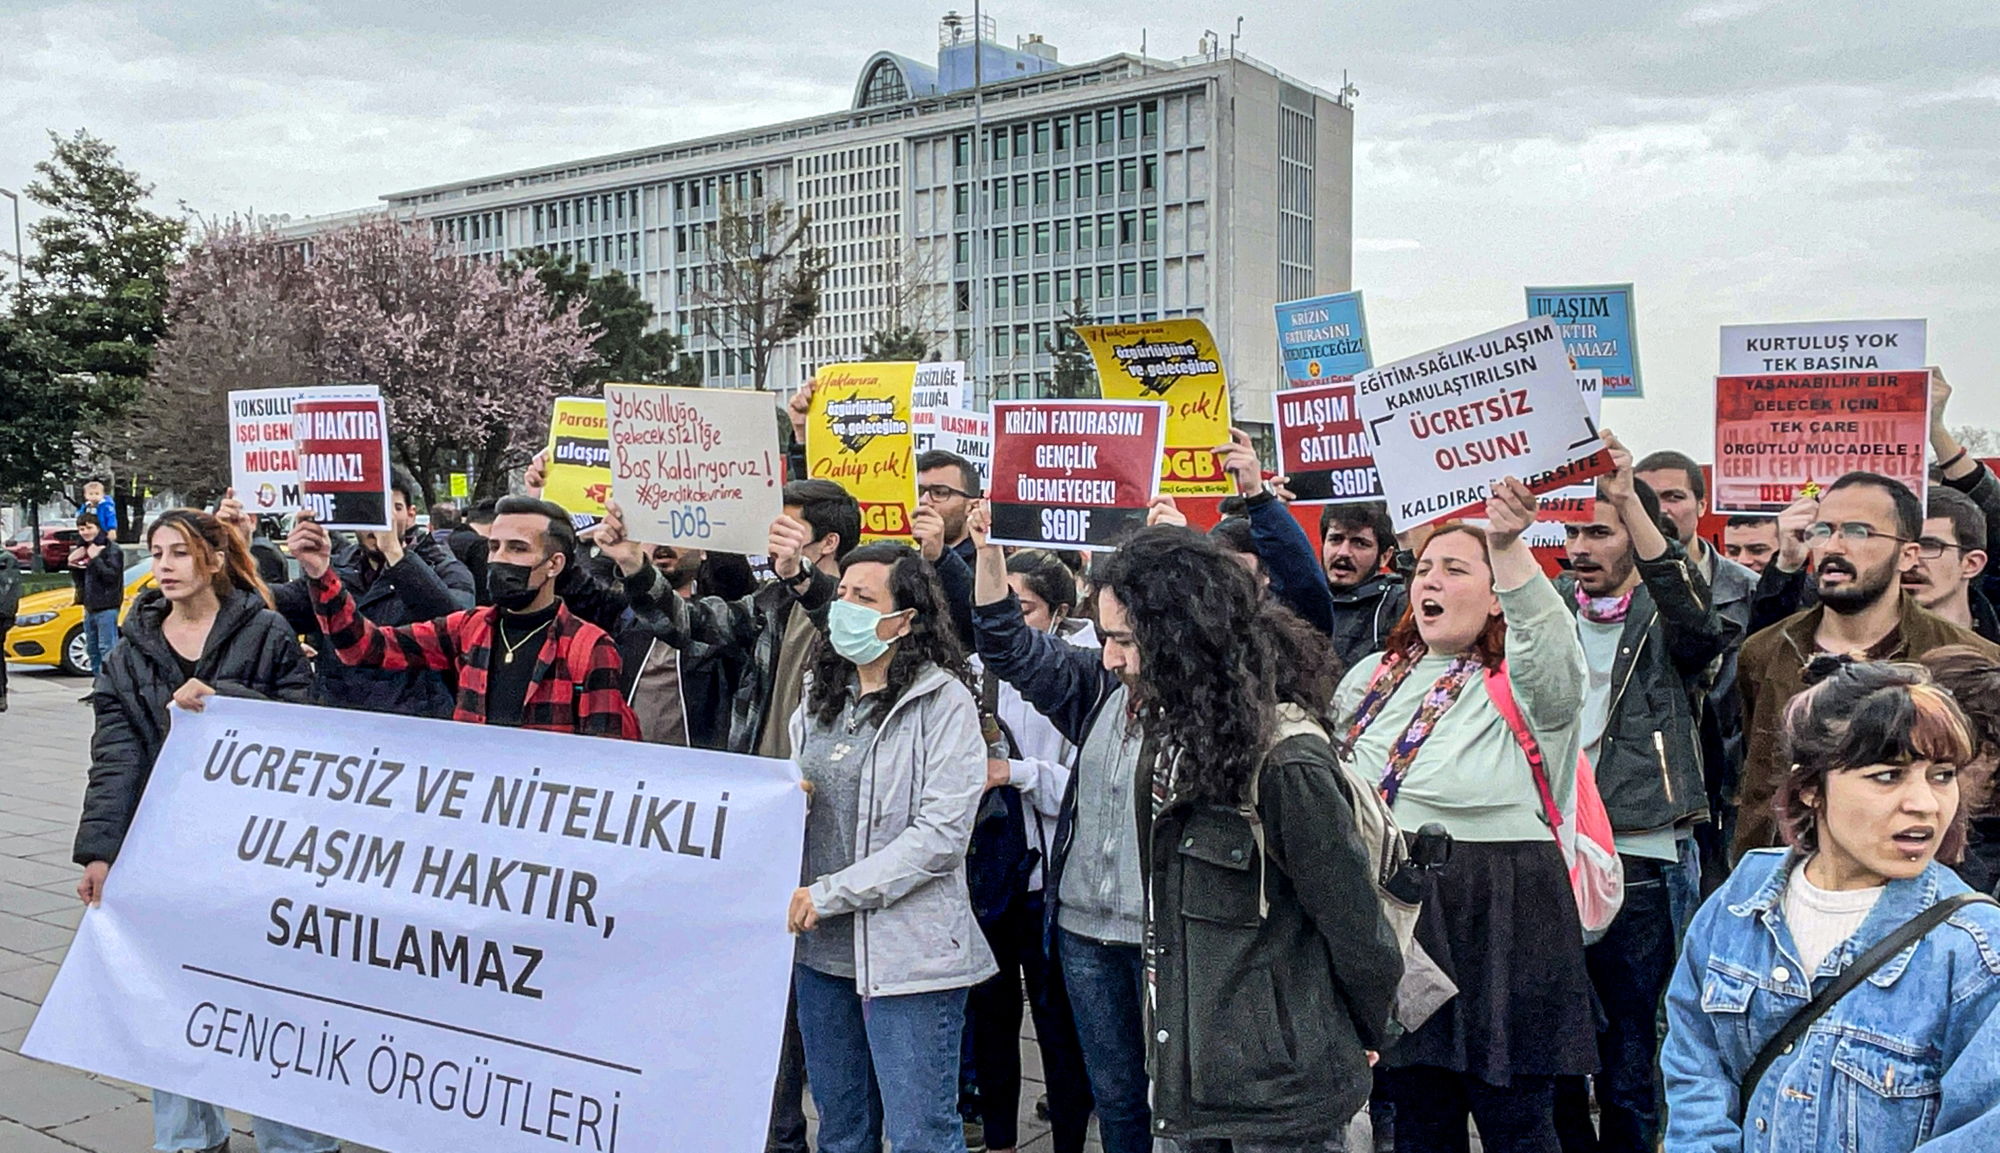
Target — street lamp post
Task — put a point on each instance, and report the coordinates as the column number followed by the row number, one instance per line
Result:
column 20, row 281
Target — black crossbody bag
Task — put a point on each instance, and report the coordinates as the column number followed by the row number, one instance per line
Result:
column 1912, row 931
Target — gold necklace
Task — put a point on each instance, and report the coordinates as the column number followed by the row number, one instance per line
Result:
column 516, row 646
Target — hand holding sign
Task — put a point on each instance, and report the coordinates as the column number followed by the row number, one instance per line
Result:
column 799, row 407
column 310, row 546
column 789, row 538
column 1793, row 522
column 1238, row 459
column 1509, row 512
column 537, row 477
column 978, row 522
column 230, row 511
column 629, row 554
column 1616, row 485
column 1163, row 510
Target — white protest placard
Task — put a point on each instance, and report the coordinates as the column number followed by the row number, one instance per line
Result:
column 1445, row 424
column 970, row 435
column 939, row 386
column 1577, row 503
column 418, row 934
column 695, row 466
column 1822, row 346
column 263, row 445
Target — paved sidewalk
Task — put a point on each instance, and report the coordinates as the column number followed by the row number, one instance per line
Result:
column 44, row 762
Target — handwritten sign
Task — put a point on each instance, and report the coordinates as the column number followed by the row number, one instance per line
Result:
column 1174, row 361
column 1074, row 473
column 343, row 452
column 695, row 466
column 1776, row 436
column 1822, row 346
column 1598, row 328
column 419, row 934
column 579, row 472
column 858, row 434
column 1445, row 424
column 1323, row 339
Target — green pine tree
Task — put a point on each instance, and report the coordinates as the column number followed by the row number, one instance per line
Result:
column 614, row 308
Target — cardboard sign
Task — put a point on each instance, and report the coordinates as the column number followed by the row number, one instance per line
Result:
column 1074, row 473
column 970, row 435
column 858, row 435
column 1822, row 346
column 263, row 450
column 343, row 450
column 937, row 385
column 1323, row 339
column 1577, row 503
column 695, row 466
column 1322, row 448
column 1445, row 424
column 579, row 468
column 1173, row 361
column 326, row 917
column 1778, row 438
column 1598, row 328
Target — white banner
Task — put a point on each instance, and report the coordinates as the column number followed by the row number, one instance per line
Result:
column 695, row 466
column 1445, row 424
column 425, row 935
column 1822, row 346
column 939, row 385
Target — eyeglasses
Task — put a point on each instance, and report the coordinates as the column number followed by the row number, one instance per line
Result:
column 1851, row 531
column 1931, row 548
column 940, row 492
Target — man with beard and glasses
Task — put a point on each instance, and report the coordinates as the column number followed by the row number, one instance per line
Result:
column 1356, row 540
column 1651, row 631
column 1863, row 539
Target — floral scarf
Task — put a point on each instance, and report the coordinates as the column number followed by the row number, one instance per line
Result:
column 1604, row 610
column 1439, row 698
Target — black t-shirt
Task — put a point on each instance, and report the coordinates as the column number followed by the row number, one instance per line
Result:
column 187, row 666
column 507, row 681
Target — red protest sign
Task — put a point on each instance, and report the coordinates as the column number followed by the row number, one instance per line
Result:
column 1074, row 473
column 343, row 462
column 1778, row 436
column 1322, row 448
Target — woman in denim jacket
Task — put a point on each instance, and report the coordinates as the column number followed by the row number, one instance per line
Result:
column 1909, row 1058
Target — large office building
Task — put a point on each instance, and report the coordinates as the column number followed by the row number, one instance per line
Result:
column 977, row 199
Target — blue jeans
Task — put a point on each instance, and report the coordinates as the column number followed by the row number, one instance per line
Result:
column 100, row 634
column 1105, row 983
column 185, row 1123
column 884, row 1062
column 1684, row 888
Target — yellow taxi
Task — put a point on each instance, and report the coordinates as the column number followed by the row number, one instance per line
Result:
column 48, row 627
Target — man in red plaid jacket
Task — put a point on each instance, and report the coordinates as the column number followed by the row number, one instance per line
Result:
column 522, row 661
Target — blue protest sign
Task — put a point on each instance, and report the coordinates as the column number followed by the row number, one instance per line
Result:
column 1599, row 329
column 1323, row 339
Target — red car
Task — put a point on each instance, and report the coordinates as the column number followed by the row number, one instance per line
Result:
column 57, row 542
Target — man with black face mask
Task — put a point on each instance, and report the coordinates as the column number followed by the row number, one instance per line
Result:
column 1864, row 539
column 524, row 661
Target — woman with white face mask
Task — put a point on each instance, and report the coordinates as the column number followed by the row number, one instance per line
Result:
column 888, row 739
column 1909, row 1056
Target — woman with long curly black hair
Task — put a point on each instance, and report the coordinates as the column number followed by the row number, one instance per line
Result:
column 889, row 741
column 1273, row 969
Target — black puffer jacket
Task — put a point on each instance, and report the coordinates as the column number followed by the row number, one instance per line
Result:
column 1265, row 1009
column 251, row 652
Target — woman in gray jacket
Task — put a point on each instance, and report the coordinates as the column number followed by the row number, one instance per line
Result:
column 889, row 741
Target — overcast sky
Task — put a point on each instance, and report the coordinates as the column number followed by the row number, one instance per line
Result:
column 1739, row 160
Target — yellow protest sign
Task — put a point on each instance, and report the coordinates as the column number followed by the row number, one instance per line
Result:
column 1174, row 361
column 461, row 485
column 858, row 436
column 579, row 457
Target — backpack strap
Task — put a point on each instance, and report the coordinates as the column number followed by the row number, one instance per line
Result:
column 1501, row 689
column 1911, row 931
column 1292, row 722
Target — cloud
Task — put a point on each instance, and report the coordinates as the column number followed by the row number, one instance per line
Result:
column 1739, row 161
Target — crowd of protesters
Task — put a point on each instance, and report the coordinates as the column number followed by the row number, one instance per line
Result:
column 1266, row 837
